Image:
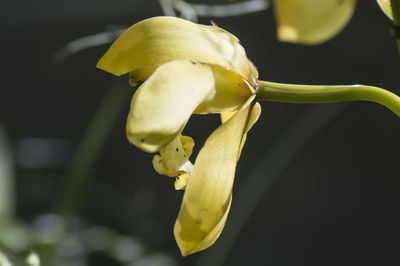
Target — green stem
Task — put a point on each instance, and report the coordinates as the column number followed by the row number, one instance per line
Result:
column 395, row 5
column 290, row 93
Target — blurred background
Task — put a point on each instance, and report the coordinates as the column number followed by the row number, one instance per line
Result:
column 316, row 185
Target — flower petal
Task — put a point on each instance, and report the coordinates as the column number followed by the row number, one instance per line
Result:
column 386, row 7
column 207, row 198
column 163, row 104
column 255, row 114
column 311, row 21
column 230, row 93
column 155, row 41
column 226, row 116
column 161, row 107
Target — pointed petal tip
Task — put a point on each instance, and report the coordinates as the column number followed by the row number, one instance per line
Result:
column 104, row 64
column 100, row 64
column 184, row 248
column 189, row 248
column 185, row 253
column 188, row 244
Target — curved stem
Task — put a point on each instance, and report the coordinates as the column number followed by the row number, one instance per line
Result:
column 280, row 92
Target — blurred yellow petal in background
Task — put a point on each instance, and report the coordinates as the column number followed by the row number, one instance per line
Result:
column 311, row 22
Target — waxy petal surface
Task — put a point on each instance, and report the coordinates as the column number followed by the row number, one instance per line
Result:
column 207, row 198
column 158, row 40
column 163, row 104
column 230, row 93
column 255, row 114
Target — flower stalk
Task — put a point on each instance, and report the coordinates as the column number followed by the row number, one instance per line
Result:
column 292, row 93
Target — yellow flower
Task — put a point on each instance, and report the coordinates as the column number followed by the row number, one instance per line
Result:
column 188, row 69
column 313, row 22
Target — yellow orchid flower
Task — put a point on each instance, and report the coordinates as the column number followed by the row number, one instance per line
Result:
column 312, row 22
column 188, row 69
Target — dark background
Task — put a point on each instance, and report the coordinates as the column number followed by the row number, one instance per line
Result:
column 336, row 204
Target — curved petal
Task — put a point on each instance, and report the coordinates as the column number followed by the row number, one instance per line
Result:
column 161, row 107
column 311, row 21
column 255, row 114
column 158, row 40
column 386, row 7
column 207, row 198
column 230, row 93
column 163, row 104
column 226, row 116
